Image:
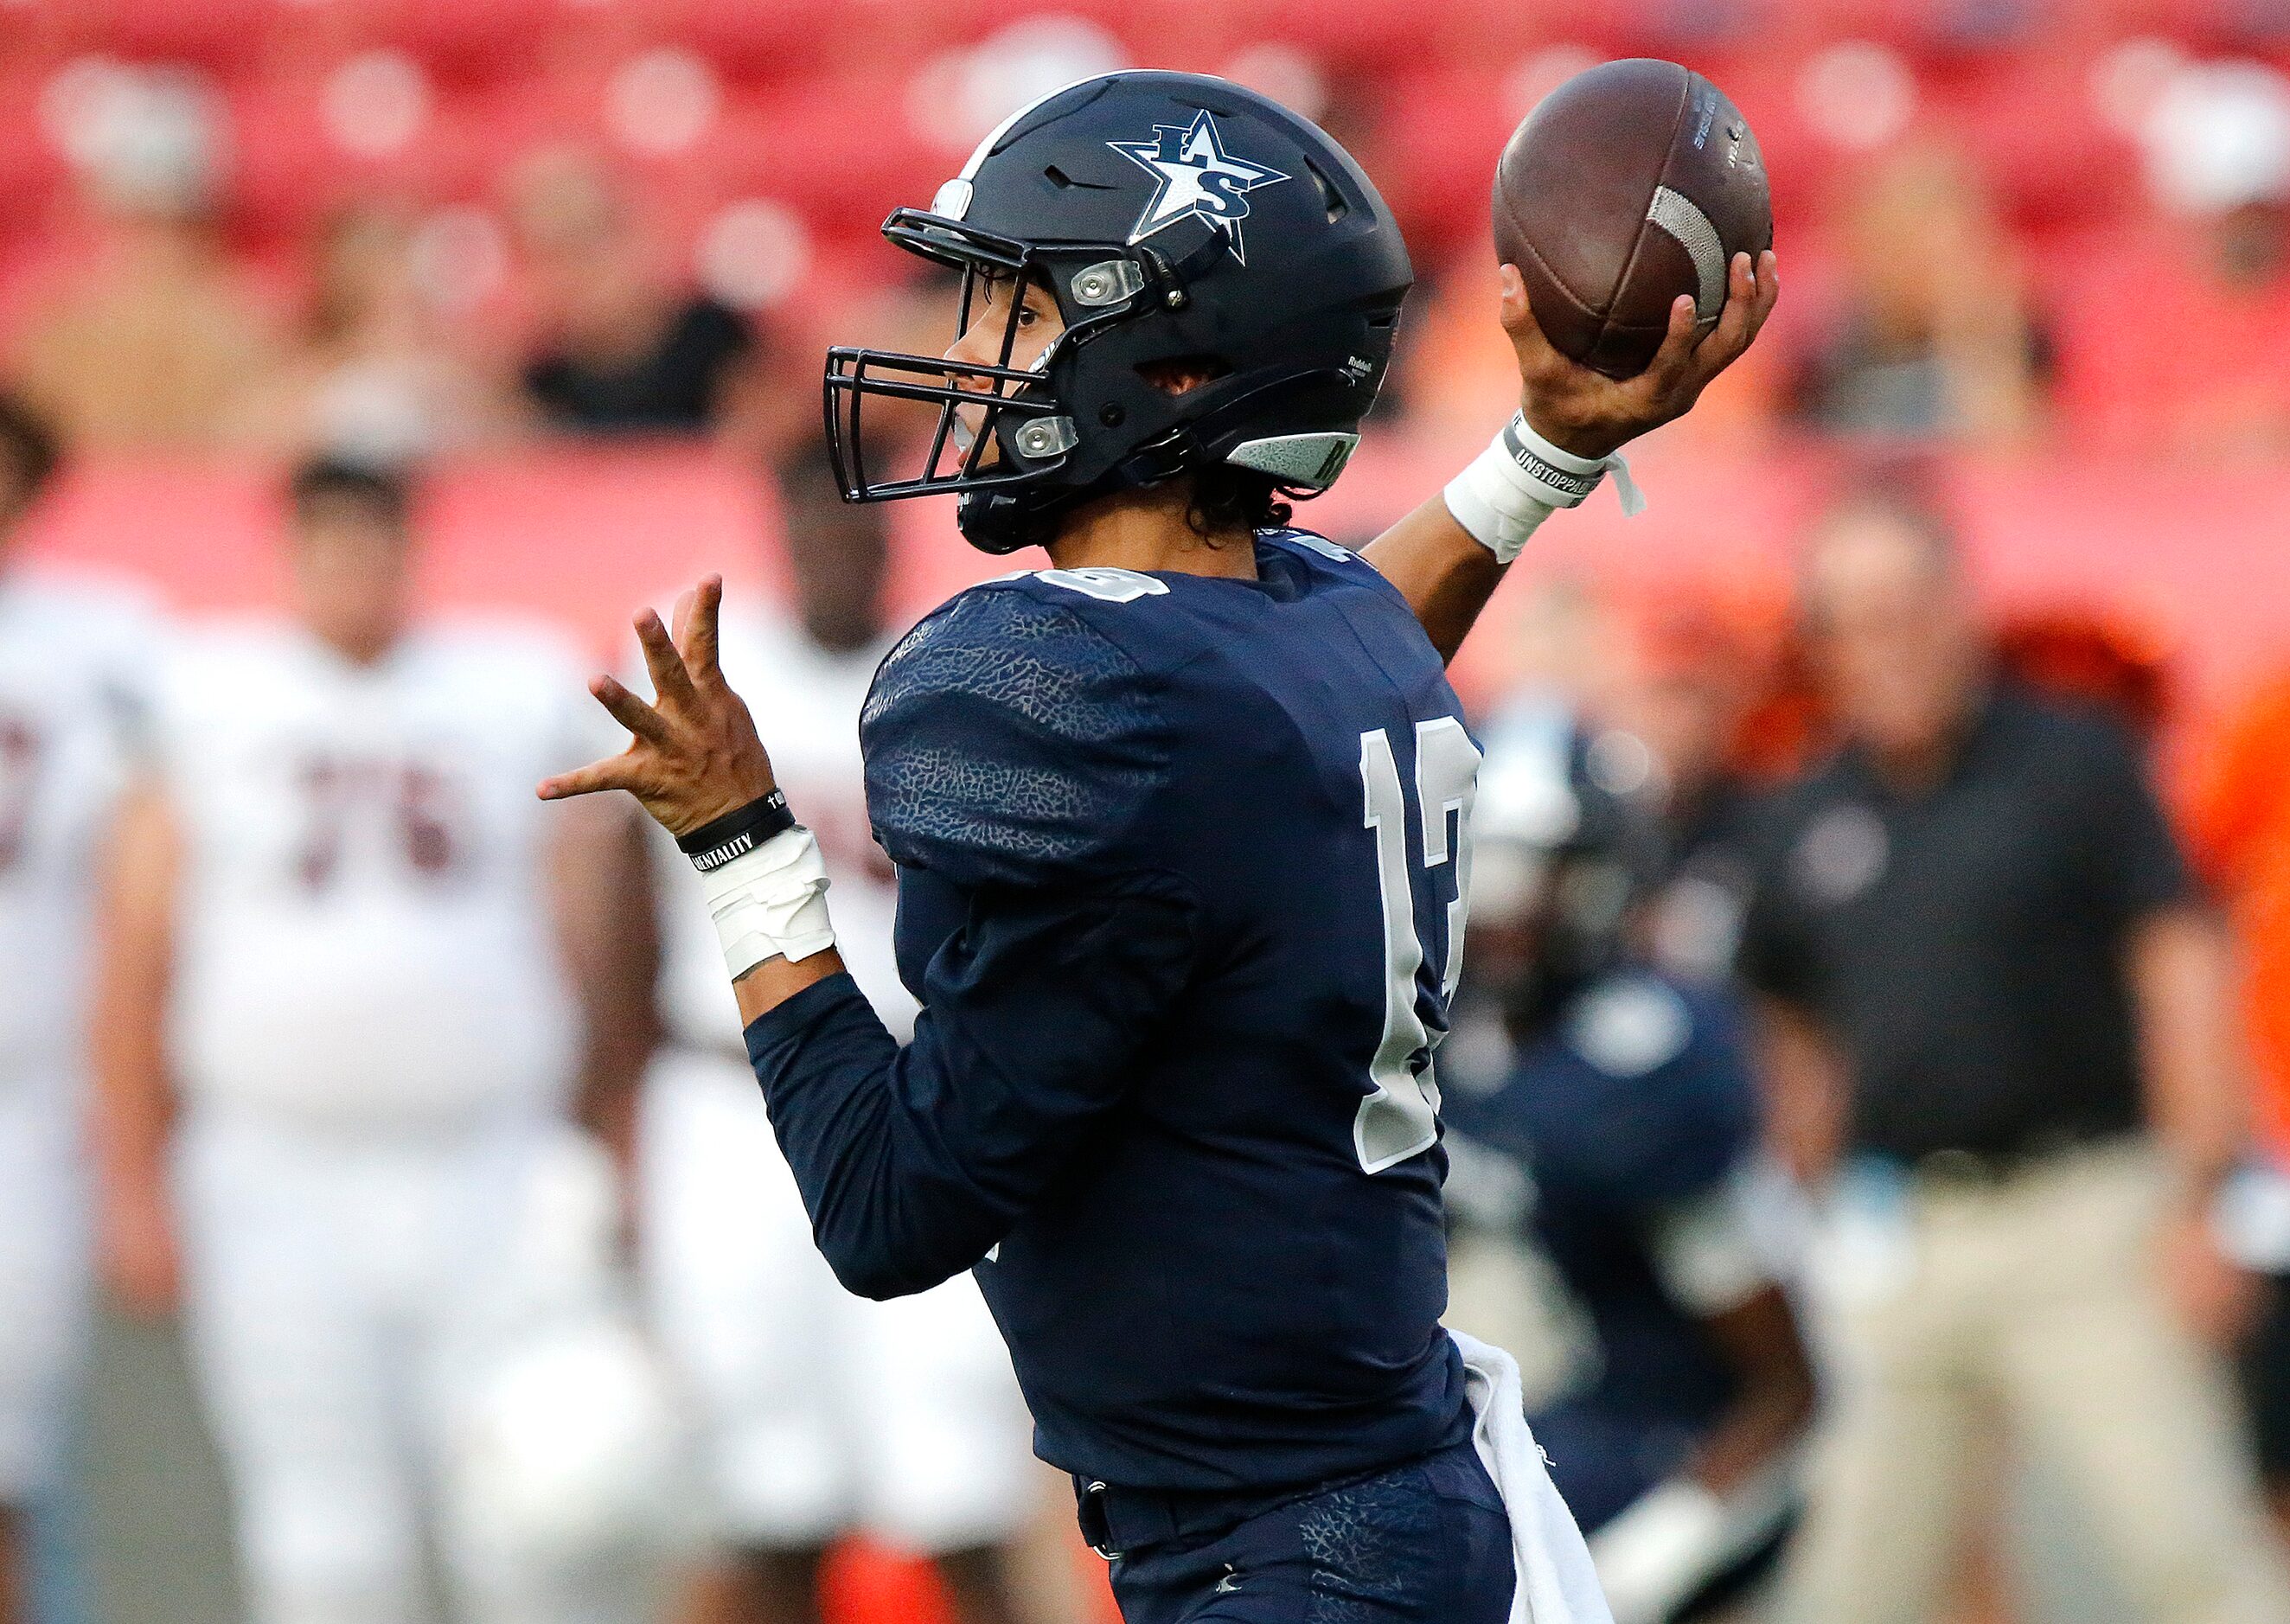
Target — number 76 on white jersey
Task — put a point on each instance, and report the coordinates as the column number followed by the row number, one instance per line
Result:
column 1399, row 1119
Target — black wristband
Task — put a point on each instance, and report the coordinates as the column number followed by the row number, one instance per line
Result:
column 736, row 833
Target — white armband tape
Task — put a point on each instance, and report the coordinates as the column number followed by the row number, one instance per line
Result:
column 1521, row 479
column 771, row 902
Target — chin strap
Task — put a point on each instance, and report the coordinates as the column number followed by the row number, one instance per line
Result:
column 1001, row 522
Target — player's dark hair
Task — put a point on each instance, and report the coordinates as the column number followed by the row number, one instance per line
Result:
column 30, row 444
column 1225, row 498
column 384, row 492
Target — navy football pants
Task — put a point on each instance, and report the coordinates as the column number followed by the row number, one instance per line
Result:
column 1423, row 1543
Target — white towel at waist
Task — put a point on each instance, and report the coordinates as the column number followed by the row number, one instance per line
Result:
column 1556, row 1583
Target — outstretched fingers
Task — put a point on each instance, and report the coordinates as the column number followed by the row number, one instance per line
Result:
column 629, row 711
column 697, row 634
column 669, row 679
column 618, row 773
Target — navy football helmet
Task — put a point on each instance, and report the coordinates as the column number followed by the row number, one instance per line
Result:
column 1181, row 222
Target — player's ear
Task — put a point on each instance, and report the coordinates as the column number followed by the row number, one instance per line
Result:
column 1182, row 374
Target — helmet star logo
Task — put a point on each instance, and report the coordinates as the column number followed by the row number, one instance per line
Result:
column 1195, row 178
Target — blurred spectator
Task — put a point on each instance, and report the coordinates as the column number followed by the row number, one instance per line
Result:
column 1931, row 333
column 376, row 376
column 623, row 347
column 337, row 1041
column 1616, row 1133
column 2175, row 346
column 154, row 339
column 71, row 657
column 2241, row 823
column 1996, row 1040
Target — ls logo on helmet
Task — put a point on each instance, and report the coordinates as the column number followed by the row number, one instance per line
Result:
column 1195, row 178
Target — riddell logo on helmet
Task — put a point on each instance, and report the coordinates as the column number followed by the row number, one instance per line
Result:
column 1195, row 178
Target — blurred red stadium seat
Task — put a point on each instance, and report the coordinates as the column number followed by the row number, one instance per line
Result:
column 470, row 41
column 2031, row 120
column 214, row 34
column 1436, row 132
column 774, row 41
column 840, row 150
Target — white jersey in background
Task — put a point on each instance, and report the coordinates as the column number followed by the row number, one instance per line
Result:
column 73, row 656
column 74, row 659
column 374, row 1037
column 365, row 932
column 817, row 1412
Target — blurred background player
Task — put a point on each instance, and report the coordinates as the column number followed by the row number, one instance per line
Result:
column 1613, row 1123
column 71, row 668
column 337, row 1036
column 820, row 1412
column 1995, row 1018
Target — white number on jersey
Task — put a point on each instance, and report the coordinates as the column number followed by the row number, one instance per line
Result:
column 1105, row 582
column 1399, row 1119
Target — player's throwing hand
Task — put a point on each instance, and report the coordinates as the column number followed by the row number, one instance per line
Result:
column 1591, row 414
column 694, row 756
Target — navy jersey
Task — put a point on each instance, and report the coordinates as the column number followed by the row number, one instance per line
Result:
column 1179, row 858
column 1633, row 1118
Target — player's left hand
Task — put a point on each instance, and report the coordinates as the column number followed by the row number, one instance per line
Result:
column 1591, row 414
column 695, row 755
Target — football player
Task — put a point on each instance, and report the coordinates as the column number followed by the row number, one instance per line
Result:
column 71, row 654
column 1616, row 1136
column 1179, row 825
column 336, row 1038
column 818, row 1411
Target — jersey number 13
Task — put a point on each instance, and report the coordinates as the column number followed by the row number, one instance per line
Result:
column 1399, row 1119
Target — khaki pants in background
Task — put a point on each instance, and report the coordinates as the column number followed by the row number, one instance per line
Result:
column 2035, row 1303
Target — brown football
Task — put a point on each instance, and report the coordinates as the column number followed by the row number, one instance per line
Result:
column 1631, row 183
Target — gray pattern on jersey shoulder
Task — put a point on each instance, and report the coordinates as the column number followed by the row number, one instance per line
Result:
column 1004, row 727
column 1006, row 648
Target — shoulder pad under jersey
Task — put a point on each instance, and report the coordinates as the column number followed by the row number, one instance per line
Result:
column 1008, row 741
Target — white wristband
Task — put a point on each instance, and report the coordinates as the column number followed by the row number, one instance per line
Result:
column 1508, row 489
column 771, row 902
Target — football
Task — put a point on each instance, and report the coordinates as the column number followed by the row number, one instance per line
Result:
column 1631, row 183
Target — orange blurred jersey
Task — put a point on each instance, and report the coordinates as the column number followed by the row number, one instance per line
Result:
column 2239, row 826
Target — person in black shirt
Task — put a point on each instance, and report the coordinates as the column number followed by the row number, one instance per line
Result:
column 1994, row 1012
column 624, row 350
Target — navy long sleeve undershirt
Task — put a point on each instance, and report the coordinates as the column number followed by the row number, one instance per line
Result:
column 913, row 1164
